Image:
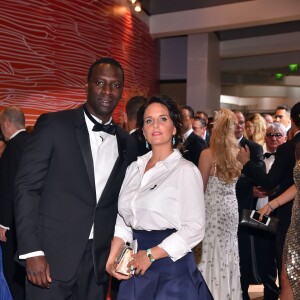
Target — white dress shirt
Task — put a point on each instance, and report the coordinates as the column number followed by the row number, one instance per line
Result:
column 105, row 153
column 187, row 134
column 261, row 202
column 169, row 195
column 104, row 148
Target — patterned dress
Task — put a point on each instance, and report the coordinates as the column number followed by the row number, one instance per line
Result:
column 291, row 252
column 219, row 263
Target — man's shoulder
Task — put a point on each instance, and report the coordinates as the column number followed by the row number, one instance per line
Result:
column 252, row 145
column 194, row 138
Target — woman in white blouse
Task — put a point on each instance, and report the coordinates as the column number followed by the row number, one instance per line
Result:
column 161, row 206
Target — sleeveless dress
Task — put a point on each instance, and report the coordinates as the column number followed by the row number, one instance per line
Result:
column 291, row 251
column 219, row 263
column 4, row 290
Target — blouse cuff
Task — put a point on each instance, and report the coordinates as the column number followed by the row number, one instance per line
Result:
column 175, row 246
column 124, row 234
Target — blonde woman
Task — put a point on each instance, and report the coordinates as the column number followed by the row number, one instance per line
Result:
column 256, row 129
column 220, row 170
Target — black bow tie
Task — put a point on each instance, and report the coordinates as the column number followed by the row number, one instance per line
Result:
column 108, row 128
column 267, row 155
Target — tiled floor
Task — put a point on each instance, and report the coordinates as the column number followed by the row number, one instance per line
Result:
column 256, row 292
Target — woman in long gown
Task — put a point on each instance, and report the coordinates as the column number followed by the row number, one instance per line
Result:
column 220, row 170
column 290, row 275
column 161, row 205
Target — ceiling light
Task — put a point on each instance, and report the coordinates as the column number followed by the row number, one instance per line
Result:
column 132, row 1
column 137, row 7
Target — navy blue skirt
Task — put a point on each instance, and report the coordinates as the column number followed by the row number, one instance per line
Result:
column 165, row 279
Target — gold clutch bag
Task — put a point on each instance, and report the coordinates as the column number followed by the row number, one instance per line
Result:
column 122, row 260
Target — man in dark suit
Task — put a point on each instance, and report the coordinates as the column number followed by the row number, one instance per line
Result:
column 193, row 144
column 244, row 194
column 205, row 135
column 67, row 192
column 280, row 177
column 12, row 123
column 132, row 109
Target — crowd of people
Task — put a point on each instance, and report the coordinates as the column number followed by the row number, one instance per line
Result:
column 172, row 184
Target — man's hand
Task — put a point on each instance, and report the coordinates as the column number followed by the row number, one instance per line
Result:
column 244, row 155
column 38, row 271
column 258, row 192
column 2, row 234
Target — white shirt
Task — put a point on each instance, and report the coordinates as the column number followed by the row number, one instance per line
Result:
column 105, row 153
column 169, row 195
column 104, row 148
column 187, row 134
column 261, row 202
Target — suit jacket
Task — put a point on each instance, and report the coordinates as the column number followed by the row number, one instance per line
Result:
column 244, row 186
column 192, row 148
column 280, row 175
column 140, row 142
column 9, row 164
column 56, row 196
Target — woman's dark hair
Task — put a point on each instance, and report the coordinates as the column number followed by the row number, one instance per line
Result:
column 174, row 112
column 295, row 114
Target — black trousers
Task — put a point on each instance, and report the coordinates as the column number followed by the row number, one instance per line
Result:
column 265, row 252
column 82, row 287
column 245, row 260
column 14, row 273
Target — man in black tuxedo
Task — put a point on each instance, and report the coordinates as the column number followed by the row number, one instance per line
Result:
column 193, row 144
column 244, row 194
column 67, row 192
column 12, row 123
column 264, row 242
column 280, row 177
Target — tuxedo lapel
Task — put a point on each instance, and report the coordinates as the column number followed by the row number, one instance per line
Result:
column 122, row 141
column 84, row 144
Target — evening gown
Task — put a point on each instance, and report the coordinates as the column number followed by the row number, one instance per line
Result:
column 4, row 290
column 219, row 263
column 291, row 252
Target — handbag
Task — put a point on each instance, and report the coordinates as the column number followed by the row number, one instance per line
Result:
column 247, row 221
column 123, row 258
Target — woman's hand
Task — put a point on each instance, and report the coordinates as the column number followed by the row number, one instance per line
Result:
column 266, row 210
column 111, row 269
column 140, row 263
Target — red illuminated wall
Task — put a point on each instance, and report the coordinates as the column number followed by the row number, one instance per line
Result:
column 47, row 46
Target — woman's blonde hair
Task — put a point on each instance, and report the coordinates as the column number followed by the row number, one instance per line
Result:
column 224, row 146
column 259, row 129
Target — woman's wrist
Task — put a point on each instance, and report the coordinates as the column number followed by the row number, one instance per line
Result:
column 150, row 256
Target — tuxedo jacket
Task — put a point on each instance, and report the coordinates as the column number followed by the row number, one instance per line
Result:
column 140, row 142
column 280, row 175
column 9, row 163
column 192, row 147
column 244, row 186
column 55, row 202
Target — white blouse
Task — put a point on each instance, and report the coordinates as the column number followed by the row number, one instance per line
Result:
column 169, row 195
